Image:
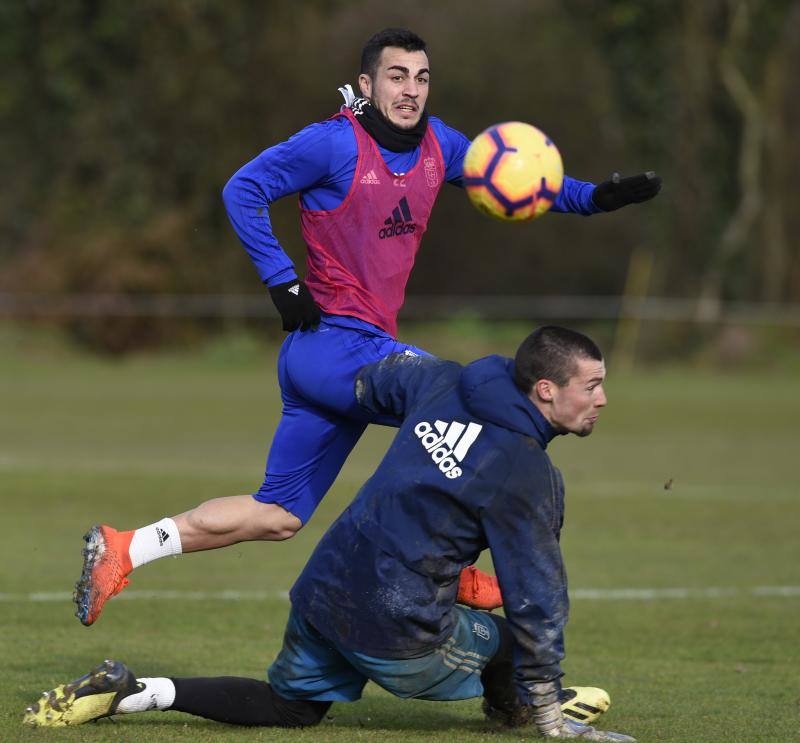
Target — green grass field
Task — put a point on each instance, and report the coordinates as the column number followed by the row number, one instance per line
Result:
column 84, row 440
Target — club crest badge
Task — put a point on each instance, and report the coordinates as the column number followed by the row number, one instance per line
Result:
column 431, row 172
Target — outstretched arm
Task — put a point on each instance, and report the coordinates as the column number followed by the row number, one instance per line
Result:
column 395, row 384
column 575, row 197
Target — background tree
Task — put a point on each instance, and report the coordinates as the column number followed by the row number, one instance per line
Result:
column 121, row 123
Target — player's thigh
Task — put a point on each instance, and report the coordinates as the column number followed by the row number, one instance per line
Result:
column 309, row 668
column 308, row 450
column 451, row 672
column 320, row 366
column 306, row 433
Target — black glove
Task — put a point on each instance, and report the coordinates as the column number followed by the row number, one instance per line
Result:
column 295, row 305
column 618, row 192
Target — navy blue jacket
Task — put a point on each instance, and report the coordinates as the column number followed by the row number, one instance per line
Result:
column 467, row 471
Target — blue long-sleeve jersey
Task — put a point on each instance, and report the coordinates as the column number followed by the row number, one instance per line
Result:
column 467, row 471
column 319, row 163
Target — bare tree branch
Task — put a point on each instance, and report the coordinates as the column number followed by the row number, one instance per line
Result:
column 751, row 156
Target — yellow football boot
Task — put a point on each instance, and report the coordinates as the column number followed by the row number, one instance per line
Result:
column 95, row 695
column 584, row 703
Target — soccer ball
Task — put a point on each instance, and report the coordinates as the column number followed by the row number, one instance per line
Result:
column 513, row 172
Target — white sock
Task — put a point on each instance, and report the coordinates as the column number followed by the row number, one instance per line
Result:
column 158, row 693
column 156, row 540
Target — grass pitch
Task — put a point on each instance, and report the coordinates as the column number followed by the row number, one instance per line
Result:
column 687, row 492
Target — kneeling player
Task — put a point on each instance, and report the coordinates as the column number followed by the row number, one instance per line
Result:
column 377, row 600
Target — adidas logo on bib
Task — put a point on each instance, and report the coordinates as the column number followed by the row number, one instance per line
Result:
column 371, row 178
column 399, row 223
column 447, row 443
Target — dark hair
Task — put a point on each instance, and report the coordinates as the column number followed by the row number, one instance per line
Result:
column 551, row 352
column 399, row 37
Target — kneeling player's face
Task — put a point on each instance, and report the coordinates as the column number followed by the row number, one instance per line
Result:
column 576, row 406
column 399, row 89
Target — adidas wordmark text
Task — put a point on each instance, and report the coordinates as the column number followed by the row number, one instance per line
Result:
column 447, row 443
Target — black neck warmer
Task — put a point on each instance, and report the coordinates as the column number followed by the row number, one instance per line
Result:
column 384, row 132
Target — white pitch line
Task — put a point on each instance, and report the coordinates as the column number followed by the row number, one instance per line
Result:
column 593, row 594
column 649, row 594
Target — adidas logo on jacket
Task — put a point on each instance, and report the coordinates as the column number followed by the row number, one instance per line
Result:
column 447, row 443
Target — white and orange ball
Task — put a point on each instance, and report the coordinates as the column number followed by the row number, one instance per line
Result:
column 513, row 172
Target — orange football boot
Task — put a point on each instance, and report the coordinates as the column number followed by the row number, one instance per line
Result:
column 106, row 562
column 478, row 590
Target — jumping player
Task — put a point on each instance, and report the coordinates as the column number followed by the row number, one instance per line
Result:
column 367, row 178
column 467, row 471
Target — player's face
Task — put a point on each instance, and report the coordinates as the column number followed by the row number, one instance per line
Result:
column 575, row 407
column 399, row 89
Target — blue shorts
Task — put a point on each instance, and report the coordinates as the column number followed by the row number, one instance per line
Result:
column 321, row 421
column 310, row 667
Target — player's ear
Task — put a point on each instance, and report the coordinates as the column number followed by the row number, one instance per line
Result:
column 544, row 389
column 365, row 84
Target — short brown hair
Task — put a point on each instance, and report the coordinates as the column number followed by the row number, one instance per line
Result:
column 399, row 37
column 551, row 352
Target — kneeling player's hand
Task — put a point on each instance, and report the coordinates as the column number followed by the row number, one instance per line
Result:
column 573, row 729
column 295, row 305
column 618, row 192
column 551, row 723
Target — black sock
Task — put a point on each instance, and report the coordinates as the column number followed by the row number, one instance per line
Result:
column 243, row 701
column 497, row 677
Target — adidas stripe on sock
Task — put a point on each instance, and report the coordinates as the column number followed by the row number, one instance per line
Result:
column 156, row 540
column 154, row 693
